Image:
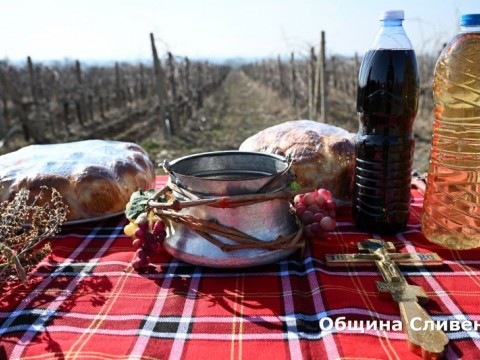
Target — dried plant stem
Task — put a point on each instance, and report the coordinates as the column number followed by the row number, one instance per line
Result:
column 225, row 201
column 211, row 229
column 208, row 228
column 18, row 241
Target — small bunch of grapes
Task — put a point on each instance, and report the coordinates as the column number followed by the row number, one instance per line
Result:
column 148, row 235
column 316, row 210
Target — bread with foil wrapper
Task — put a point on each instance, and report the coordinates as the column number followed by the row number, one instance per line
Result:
column 95, row 177
column 322, row 155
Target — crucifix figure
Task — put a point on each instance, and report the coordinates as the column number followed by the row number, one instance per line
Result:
column 422, row 339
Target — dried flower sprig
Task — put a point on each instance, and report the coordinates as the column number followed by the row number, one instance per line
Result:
column 19, row 243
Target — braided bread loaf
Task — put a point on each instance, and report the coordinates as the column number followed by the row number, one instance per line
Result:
column 95, row 177
column 323, row 155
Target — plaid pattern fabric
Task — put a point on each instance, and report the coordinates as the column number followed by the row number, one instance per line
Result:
column 85, row 302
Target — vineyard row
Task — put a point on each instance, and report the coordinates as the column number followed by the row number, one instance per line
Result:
column 57, row 102
column 311, row 81
column 52, row 103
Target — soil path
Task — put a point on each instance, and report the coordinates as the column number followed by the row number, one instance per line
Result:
column 240, row 108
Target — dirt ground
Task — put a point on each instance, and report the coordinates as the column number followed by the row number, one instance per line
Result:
column 239, row 109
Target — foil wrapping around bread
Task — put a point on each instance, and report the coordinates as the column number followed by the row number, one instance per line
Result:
column 95, row 177
column 322, row 155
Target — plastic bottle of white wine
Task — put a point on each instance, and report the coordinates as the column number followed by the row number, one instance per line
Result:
column 451, row 214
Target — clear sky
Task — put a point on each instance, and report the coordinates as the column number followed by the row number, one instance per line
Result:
column 119, row 29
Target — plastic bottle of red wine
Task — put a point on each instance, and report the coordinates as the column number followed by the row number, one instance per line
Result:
column 387, row 101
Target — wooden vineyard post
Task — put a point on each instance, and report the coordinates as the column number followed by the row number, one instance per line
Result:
column 334, row 71
column 188, row 91
column 320, row 93
column 66, row 111
column 316, row 88
column 323, row 87
column 281, row 78
column 3, row 123
column 356, row 69
column 81, row 106
column 200, row 86
column 34, row 93
column 118, row 87
column 142, row 82
column 293, row 80
column 90, row 106
column 311, row 84
column 171, row 76
column 188, row 111
column 101, row 105
column 33, row 80
column 173, row 113
column 5, row 111
column 264, row 73
column 160, row 89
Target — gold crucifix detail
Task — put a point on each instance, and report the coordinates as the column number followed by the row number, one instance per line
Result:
column 425, row 341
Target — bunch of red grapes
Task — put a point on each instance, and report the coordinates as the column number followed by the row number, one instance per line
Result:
column 147, row 236
column 316, row 210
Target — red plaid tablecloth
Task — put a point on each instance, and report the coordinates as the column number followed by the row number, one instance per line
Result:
column 85, row 302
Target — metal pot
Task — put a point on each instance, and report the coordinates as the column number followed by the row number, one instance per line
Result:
column 229, row 173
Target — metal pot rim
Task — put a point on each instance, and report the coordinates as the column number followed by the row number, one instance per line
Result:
column 203, row 180
column 227, row 153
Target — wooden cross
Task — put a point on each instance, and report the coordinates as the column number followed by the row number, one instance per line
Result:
column 424, row 340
